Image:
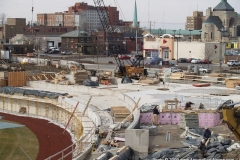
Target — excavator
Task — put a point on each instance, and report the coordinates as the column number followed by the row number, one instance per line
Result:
column 135, row 68
column 231, row 116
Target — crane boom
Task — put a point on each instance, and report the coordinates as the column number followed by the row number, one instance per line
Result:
column 135, row 66
column 108, row 30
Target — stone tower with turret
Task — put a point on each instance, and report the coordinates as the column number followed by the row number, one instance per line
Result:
column 221, row 23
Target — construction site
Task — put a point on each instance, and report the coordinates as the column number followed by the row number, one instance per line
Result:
column 111, row 117
column 131, row 112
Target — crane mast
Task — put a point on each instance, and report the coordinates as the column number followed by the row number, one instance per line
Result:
column 108, row 30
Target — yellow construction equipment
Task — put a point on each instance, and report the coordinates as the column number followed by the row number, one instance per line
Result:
column 231, row 115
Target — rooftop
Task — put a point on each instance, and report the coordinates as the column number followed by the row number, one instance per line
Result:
column 223, row 6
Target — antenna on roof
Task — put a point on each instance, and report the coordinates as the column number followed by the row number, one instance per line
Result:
column 148, row 11
column 32, row 15
column 197, row 7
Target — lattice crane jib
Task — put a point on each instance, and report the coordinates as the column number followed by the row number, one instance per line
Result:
column 108, row 29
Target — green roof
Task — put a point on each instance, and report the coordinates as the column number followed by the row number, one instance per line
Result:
column 76, row 33
column 223, row 6
column 171, row 31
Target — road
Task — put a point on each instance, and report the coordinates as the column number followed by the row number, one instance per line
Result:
column 102, row 63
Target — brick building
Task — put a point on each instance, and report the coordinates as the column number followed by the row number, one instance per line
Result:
column 16, row 26
column 81, row 14
column 89, row 44
column 195, row 22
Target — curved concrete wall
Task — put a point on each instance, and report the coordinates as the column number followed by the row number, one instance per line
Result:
column 94, row 117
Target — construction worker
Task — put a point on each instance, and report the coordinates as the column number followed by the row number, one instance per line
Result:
column 207, row 134
column 155, row 115
column 203, row 148
column 188, row 106
column 201, row 106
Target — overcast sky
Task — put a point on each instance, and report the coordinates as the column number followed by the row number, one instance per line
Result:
column 167, row 14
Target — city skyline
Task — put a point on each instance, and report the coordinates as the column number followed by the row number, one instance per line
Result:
column 169, row 15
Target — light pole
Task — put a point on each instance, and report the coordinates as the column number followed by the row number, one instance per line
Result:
column 221, row 42
column 174, row 38
column 200, row 35
column 190, row 34
column 177, row 44
column 159, row 31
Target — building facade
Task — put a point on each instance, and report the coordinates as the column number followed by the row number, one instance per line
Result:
column 162, row 47
column 221, row 23
column 195, row 22
column 81, row 14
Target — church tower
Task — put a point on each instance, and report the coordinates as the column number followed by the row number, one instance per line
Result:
column 135, row 19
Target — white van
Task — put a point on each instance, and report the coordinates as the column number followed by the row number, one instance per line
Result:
column 53, row 48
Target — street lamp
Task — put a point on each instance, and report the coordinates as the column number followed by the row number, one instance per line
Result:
column 177, row 44
column 174, row 36
column 190, row 34
column 200, row 35
column 221, row 42
column 159, row 31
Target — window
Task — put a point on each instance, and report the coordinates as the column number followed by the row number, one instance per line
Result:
column 72, row 40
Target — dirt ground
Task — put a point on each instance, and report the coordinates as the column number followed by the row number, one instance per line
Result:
column 51, row 138
column 158, row 141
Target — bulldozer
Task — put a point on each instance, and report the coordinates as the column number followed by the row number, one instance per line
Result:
column 231, row 116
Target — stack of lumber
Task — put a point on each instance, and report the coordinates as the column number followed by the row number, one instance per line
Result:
column 188, row 120
column 178, row 75
column 80, row 76
column 232, row 82
column 149, row 81
column 119, row 113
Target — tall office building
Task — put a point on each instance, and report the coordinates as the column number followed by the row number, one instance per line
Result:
column 195, row 22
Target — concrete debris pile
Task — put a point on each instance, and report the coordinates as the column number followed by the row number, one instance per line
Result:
column 218, row 147
column 28, row 92
column 123, row 153
column 188, row 120
column 89, row 82
column 179, row 153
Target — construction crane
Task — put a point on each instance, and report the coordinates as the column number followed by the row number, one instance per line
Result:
column 231, row 115
column 135, row 68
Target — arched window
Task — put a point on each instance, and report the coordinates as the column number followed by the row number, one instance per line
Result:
column 238, row 31
column 231, row 22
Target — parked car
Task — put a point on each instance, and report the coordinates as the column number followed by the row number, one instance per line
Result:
column 154, row 61
column 54, row 52
column 204, row 70
column 189, row 60
column 195, row 61
column 233, row 63
column 175, row 69
column 182, row 60
column 47, row 50
column 205, row 61
column 124, row 57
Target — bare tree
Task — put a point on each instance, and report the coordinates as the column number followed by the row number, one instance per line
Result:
column 208, row 53
column 3, row 18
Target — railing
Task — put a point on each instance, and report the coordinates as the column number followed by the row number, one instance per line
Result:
column 73, row 150
column 76, row 148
